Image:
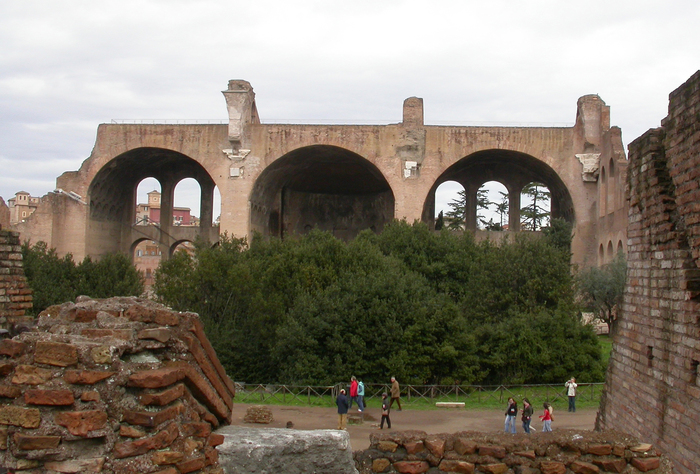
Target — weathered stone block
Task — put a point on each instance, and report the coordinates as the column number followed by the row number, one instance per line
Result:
column 581, row 467
column 49, row 397
column 30, row 375
column 29, row 443
column 156, row 378
column 167, row 457
column 552, row 467
column 11, row 348
column 464, row 446
column 76, row 466
column 411, row 467
column 160, row 440
column 435, row 445
column 498, row 452
column 18, row 416
column 80, row 423
column 285, row 450
column 86, row 377
column 462, row 467
column 55, row 353
column 646, row 464
column 499, row 468
column 380, row 465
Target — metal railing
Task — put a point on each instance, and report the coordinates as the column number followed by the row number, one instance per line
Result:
column 413, row 394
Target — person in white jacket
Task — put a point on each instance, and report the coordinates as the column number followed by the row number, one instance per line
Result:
column 571, row 392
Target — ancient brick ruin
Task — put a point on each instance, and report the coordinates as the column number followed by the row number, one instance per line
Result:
column 15, row 294
column 560, row 452
column 652, row 386
column 122, row 385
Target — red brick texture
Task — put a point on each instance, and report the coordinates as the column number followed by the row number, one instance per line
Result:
column 560, row 452
column 121, row 385
column 653, row 385
column 15, row 294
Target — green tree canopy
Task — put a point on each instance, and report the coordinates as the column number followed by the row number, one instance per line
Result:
column 428, row 307
column 601, row 289
column 55, row 280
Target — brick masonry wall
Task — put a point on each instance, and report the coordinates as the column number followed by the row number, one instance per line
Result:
column 121, row 385
column 559, row 452
column 15, row 294
column 652, row 388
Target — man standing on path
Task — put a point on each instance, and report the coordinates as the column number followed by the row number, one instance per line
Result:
column 571, row 392
column 342, row 402
column 395, row 393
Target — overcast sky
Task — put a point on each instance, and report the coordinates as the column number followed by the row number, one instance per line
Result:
column 67, row 66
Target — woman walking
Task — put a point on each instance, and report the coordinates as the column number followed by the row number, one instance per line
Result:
column 527, row 415
column 511, row 413
column 546, row 418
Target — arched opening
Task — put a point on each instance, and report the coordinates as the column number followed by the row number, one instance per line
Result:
column 610, row 255
column 602, row 193
column 148, row 202
column 513, row 170
column 113, row 196
column 601, row 255
column 620, row 247
column 492, row 206
column 611, row 205
column 323, row 187
column 447, row 196
column 536, row 210
column 182, row 246
column 187, row 199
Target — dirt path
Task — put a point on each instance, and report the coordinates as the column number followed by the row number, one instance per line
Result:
column 448, row 420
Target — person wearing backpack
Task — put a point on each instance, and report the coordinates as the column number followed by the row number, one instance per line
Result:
column 386, row 408
column 361, row 396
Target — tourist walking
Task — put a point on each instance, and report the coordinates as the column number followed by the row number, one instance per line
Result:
column 571, row 392
column 546, row 418
column 360, row 396
column 395, row 393
column 353, row 391
column 342, row 402
column 511, row 413
column 527, row 415
column 386, row 408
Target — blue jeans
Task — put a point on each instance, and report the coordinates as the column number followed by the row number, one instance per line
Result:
column 526, row 426
column 361, row 402
column 572, row 404
column 510, row 423
column 547, row 425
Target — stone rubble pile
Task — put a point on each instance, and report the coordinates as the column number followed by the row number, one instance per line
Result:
column 258, row 414
column 559, row 452
column 121, row 385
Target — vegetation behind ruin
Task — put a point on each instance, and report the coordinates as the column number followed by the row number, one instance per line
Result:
column 425, row 307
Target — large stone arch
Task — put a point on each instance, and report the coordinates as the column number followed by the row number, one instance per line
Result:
column 112, row 200
column 514, row 170
column 321, row 186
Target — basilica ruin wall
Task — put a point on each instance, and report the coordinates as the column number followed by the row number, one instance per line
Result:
column 652, row 386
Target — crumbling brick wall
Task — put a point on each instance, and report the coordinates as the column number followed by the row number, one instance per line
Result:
column 561, row 451
column 15, row 294
column 652, row 387
column 121, row 385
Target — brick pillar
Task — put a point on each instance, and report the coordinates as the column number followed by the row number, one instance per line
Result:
column 15, row 294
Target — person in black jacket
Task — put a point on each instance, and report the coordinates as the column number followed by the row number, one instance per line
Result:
column 527, row 415
column 342, row 402
column 511, row 413
column 386, row 408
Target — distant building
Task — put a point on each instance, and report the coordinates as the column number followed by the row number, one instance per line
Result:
column 22, row 206
column 149, row 213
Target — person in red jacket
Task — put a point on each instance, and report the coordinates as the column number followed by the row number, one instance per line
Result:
column 353, row 391
column 546, row 418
